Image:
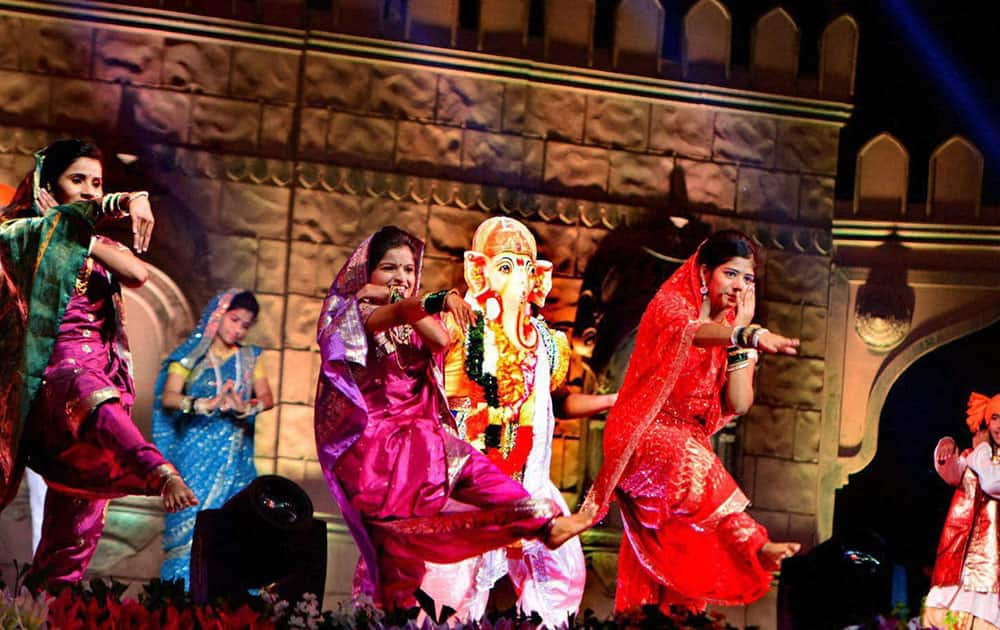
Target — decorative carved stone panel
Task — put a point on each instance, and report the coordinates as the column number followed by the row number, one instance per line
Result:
column 808, row 428
column 569, row 31
column 493, row 158
column 428, row 149
column 955, row 181
column 881, row 179
column 451, row 230
column 196, row 65
column 686, row 131
column 312, row 267
column 816, row 199
column 252, row 209
column 769, row 431
column 791, row 381
column 234, row 260
column 266, row 333
column 638, row 36
column 264, row 74
column 774, row 50
column 432, row 22
column 768, row 195
column 300, row 321
column 638, row 176
column 707, row 183
column 798, row 278
column 361, row 140
column 271, row 266
column 225, row 123
column 572, row 167
column 10, row 29
column 617, row 122
column 809, row 147
column 24, row 99
column 745, row 138
column 337, row 83
column 838, row 57
column 554, row 113
column 807, row 323
column 161, row 114
column 276, row 129
column 54, row 47
column 467, row 102
column 403, row 92
column 300, row 370
column 503, row 26
column 326, row 217
column 515, row 101
column 707, row 39
column 297, row 434
column 131, row 56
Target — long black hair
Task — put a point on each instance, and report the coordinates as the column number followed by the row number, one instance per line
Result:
column 726, row 244
column 60, row 154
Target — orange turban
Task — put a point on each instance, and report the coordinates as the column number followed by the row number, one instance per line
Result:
column 980, row 410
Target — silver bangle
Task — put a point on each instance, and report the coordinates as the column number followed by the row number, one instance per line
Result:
column 756, row 336
column 734, row 336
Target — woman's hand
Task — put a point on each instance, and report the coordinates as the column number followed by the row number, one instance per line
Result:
column 375, row 293
column 46, row 201
column 776, row 344
column 142, row 222
column 460, row 310
column 745, row 307
column 947, row 450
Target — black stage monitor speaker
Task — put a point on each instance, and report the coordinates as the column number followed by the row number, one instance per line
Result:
column 265, row 536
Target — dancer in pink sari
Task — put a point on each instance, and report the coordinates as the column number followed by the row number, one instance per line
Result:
column 386, row 439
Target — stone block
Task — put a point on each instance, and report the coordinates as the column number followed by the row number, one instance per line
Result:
column 336, row 83
column 265, row 435
column 534, row 163
column 262, row 74
column 776, row 523
column 297, row 438
column 255, row 209
column 639, row 176
column 808, row 430
column 266, row 465
column 682, row 130
column 162, row 114
column 314, row 125
column 493, row 158
column 129, row 56
column 361, row 140
column 271, row 266
column 707, row 183
column 802, row 529
column 808, row 147
column 299, row 371
column 576, row 168
column 312, row 267
column 769, row 431
column 24, row 98
column 557, row 243
column 768, row 195
column 816, row 199
column 745, row 138
column 85, row 104
column 791, row 381
column 300, row 322
column 798, row 278
column 428, row 149
column 402, row 92
column 10, row 30
column 468, row 102
column 376, row 212
column 276, row 129
column 324, row 217
column 515, row 101
column 786, row 486
column 590, row 240
column 440, row 274
column 234, row 260
column 266, row 333
column 451, row 230
column 196, row 65
column 225, row 123
column 617, row 122
column 808, row 323
column 293, row 468
column 748, row 474
column 555, row 113
column 54, row 47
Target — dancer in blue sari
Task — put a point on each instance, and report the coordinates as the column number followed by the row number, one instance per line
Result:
column 208, row 393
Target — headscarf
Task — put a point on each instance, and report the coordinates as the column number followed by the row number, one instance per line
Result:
column 189, row 354
column 341, row 412
column 665, row 337
column 979, row 411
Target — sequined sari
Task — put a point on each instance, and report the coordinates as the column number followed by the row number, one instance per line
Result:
column 687, row 538
column 213, row 452
column 390, row 455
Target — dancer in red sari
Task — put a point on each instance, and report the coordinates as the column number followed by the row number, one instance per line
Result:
column 688, row 540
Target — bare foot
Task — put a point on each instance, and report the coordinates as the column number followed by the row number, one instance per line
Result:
column 772, row 553
column 565, row 527
column 177, row 495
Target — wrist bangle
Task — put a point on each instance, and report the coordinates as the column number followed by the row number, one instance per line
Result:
column 186, row 404
column 434, row 303
column 734, row 338
column 756, row 336
column 748, row 335
column 139, row 194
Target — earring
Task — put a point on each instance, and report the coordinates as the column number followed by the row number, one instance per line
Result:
column 704, row 289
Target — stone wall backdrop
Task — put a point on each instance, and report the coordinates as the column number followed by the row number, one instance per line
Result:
column 270, row 152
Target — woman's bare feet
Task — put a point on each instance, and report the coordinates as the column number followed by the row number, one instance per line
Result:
column 177, row 495
column 772, row 553
column 565, row 527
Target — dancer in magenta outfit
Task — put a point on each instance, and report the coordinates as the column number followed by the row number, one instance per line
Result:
column 385, row 436
column 76, row 394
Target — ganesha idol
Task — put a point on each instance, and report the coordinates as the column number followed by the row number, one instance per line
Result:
column 499, row 375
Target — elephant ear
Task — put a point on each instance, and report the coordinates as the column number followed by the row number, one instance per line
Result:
column 543, row 283
column 475, row 273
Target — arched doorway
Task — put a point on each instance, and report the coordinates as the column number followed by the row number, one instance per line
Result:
column 898, row 495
